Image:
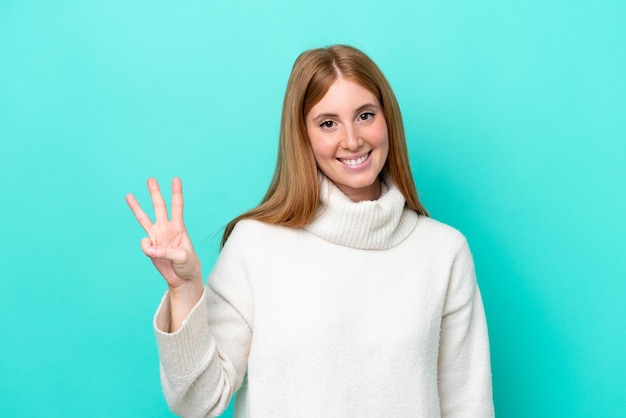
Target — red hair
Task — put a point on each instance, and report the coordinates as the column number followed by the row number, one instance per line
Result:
column 292, row 197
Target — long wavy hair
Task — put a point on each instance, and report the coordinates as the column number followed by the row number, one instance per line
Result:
column 293, row 195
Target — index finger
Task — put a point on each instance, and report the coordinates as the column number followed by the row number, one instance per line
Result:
column 141, row 216
column 177, row 199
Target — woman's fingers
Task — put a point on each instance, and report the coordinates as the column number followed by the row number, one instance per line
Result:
column 162, row 228
column 177, row 200
column 175, row 255
column 145, row 243
column 141, row 216
column 160, row 210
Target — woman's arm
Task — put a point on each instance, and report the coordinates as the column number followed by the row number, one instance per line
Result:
column 203, row 333
column 170, row 249
column 203, row 364
column 464, row 365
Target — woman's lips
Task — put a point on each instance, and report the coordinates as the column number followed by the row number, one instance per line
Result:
column 356, row 161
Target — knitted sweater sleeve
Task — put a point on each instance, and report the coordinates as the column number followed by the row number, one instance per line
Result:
column 464, row 365
column 203, row 364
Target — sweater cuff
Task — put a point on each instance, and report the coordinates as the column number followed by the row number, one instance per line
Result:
column 182, row 351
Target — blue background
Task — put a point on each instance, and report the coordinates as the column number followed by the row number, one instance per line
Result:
column 516, row 119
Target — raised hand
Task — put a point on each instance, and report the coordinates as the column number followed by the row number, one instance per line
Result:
column 168, row 245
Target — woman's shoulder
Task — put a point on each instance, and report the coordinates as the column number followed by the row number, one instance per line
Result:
column 252, row 227
column 246, row 230
column 251, row 232
column 439, row 231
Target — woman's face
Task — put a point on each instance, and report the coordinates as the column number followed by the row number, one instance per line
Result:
column 348, row 134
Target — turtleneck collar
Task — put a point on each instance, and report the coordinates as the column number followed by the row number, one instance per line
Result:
column 370, row 225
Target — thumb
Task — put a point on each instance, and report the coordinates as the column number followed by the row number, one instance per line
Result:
column 175, row 255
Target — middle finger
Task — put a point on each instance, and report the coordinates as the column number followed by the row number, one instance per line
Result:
column 160, row 210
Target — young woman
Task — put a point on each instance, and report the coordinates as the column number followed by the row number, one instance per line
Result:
column 337, row 296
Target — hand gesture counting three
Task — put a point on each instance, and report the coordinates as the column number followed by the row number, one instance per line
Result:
column 170, row 249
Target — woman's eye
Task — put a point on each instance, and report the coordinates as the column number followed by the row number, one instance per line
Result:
column 327, row 124
column 366, row 116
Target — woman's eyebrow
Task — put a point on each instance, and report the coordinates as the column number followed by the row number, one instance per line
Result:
column 324, row 116
column 357, row 110
column 366, row 106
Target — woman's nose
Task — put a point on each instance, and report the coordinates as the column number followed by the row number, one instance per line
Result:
column 352, row 141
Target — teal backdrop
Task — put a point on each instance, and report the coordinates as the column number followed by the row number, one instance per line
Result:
column 516, row 119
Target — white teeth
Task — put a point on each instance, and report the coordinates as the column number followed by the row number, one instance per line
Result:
column 355, row 162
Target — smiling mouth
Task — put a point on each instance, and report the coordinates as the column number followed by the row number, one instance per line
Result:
column 356, row 161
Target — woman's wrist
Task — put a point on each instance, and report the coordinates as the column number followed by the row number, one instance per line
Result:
column 182, row 301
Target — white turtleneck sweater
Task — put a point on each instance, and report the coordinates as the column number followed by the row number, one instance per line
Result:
column 368, row 311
